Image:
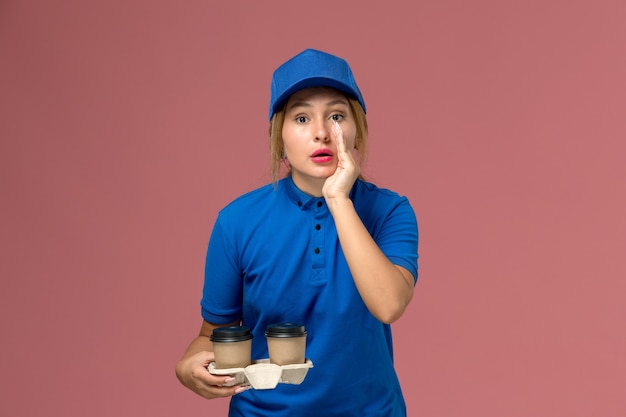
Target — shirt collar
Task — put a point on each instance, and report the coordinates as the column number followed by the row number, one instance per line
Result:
column 299, row 197
column 302, row 199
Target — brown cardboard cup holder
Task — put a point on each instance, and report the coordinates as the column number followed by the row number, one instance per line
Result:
column 262, row 374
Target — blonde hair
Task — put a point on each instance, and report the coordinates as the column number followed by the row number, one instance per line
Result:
column 277, row 156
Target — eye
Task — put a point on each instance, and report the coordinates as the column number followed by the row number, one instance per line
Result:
column 336, row 117
column 301, row 119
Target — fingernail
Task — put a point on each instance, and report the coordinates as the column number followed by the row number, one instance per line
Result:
column 242, row 389
column 229, row 379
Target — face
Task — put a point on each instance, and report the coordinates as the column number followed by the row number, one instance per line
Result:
column 310, row 146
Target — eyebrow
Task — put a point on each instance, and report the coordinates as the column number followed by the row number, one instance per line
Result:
column 303, row 103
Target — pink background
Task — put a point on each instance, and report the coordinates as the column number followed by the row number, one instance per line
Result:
column 126, row 125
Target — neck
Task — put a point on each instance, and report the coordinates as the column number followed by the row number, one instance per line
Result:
column 311, row 186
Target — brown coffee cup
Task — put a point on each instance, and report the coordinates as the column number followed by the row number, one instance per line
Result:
column 286, row 343
column 232, row 346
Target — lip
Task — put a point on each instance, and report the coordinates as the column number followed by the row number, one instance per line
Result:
column 322, row 155
column 322, row 151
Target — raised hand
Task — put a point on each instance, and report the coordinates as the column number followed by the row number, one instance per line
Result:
column 340, row 183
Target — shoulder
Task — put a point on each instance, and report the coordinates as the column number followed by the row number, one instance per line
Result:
column 376, row 205
column 250, row 198
column 253, row 203
column 368, row 193
column 248, row 201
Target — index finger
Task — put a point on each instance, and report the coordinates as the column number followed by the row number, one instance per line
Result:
column 341, row 142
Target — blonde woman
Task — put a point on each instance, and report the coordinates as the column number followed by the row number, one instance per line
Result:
column 319, row 246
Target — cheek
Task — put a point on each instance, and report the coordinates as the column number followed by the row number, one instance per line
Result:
column 291, row 144
column 287, row 137
column 291, row 134
column 294, row 137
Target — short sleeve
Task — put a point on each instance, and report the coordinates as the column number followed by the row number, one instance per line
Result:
column 398, row 237
column 223, row 284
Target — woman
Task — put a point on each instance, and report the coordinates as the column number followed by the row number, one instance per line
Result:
column 321, row 247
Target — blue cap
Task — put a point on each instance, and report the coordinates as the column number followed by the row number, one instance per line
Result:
column 312, row 68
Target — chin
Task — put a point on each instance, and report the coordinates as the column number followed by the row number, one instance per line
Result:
column 316, row 173
column 324, row 175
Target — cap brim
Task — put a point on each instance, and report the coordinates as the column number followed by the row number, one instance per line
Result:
column 311, row 82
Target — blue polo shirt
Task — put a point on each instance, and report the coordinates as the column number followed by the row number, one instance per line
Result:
column 274, row 256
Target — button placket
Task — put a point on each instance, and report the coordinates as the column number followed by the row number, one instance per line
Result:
column 317, row 241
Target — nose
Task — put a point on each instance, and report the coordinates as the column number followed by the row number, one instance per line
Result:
column 322, row 131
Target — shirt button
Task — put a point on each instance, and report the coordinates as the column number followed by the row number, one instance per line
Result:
column 318, row 227
column 299, row 203
column 319, row 204
column 317, row 250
